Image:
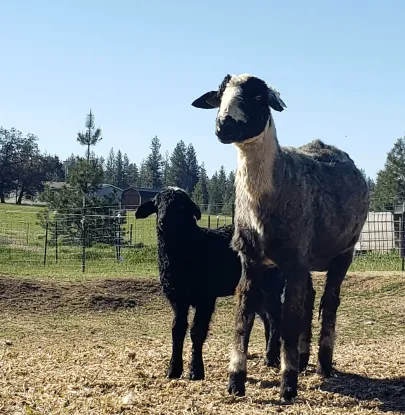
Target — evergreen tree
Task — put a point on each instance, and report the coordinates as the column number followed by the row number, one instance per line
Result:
column 215, row 195
column 229, row 196
column 144, row 180
column 133, row 178
column 166, row 167
column 154, row 165
column 119, row 169
column 200, row 194
column 178, row 166
column 390, row 184
column 91, row 136
column 192, row 168
column 110, row 175
column 126, row 171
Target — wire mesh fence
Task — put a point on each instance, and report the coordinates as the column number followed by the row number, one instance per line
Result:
column 110, row 240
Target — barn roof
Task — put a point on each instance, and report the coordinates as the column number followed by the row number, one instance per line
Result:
column 143, row 191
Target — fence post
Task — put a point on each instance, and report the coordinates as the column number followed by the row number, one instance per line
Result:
column 46, row 238
column 130, row 234
column 403, row 238
column 217, row 221
column 209, row 221
column 118, row 237
column 83, row 221
column 233, row 213
column 56, row 239
column 28, row 233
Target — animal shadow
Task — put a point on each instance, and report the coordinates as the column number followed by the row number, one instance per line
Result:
column 390, row 392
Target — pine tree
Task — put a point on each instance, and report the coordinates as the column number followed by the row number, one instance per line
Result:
column 154, row 165
column 200, row 194
column 215, row 195
column 229, row 196
column 390, row 184
column 119, row 169
column 166, row 167
column 133, row 179
column 91, row 136
column 144, row 179
column 110, row 173
column 178, row 166
column 192, row 168
column 126, row 171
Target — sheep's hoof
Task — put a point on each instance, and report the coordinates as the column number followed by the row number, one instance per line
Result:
column 289, row 383
column 324, row 366
column 236, row 385
column 272, row 361
column 196, row 374
column 174, row 372
column 324, row 370
column 304, row 359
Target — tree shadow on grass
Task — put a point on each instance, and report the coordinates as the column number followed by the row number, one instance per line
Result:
column 389, row 391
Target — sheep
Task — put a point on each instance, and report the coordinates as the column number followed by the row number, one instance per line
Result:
column 197, row 265
column 300, row 208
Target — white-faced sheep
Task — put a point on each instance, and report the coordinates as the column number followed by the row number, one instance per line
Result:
column 300, row 208
column 197, row 265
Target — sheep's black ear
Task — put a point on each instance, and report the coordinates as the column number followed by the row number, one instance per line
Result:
column 207, row 101
column 145, row 210
column 275, row 101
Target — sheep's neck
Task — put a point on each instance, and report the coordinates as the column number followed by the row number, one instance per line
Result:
column 256, row 164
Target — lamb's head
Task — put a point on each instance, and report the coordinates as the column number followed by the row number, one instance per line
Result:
column 243, row 103
column 173, row 208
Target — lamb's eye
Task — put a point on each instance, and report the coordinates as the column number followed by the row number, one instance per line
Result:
column 258, row 98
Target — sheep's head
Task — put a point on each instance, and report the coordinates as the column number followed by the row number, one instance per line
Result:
column 243, row 103
column 173, row 208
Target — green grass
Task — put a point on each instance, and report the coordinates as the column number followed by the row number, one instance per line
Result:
column 22, row 242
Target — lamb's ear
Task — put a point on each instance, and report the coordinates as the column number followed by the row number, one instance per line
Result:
column 207, row 101
column 145, row 210
column 275, row 101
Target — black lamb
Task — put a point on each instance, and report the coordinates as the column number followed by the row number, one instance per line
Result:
column 196, row 266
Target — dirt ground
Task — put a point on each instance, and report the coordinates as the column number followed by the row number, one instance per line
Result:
column 102, row 347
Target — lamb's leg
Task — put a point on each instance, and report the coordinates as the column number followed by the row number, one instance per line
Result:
column 198, row 332
column 179, row 329
column 272, row 303
column 306, row 335
column 328, row 307
column 248, row 296
column 292, row 325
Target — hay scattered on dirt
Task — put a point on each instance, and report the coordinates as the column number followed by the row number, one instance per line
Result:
column 77, row 357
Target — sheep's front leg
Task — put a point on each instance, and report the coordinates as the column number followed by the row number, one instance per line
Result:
column 248, row 296
column 199, row 332
column 292, row 325
column 306, row 335
column 179, row 329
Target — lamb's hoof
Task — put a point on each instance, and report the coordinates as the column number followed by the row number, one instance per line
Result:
column 236, row 384
column 304, row 359
column 324, row 366
column 272, row 362
column 196, row 374
column 324, row 370
column 174, row 372
column 289, row 384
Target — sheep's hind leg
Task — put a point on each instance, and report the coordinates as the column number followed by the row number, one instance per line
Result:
column 179, row 329
column 328, row 307
column 292, row 325
column 304, row 344
column 248, row 296
column 198, row 333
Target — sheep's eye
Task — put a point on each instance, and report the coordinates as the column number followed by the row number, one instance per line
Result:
column 258, row 98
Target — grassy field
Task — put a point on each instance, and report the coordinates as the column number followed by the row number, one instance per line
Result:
column 102, row 347
column 22, row 242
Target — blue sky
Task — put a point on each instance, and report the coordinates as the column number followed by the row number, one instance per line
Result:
column 339, row 66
